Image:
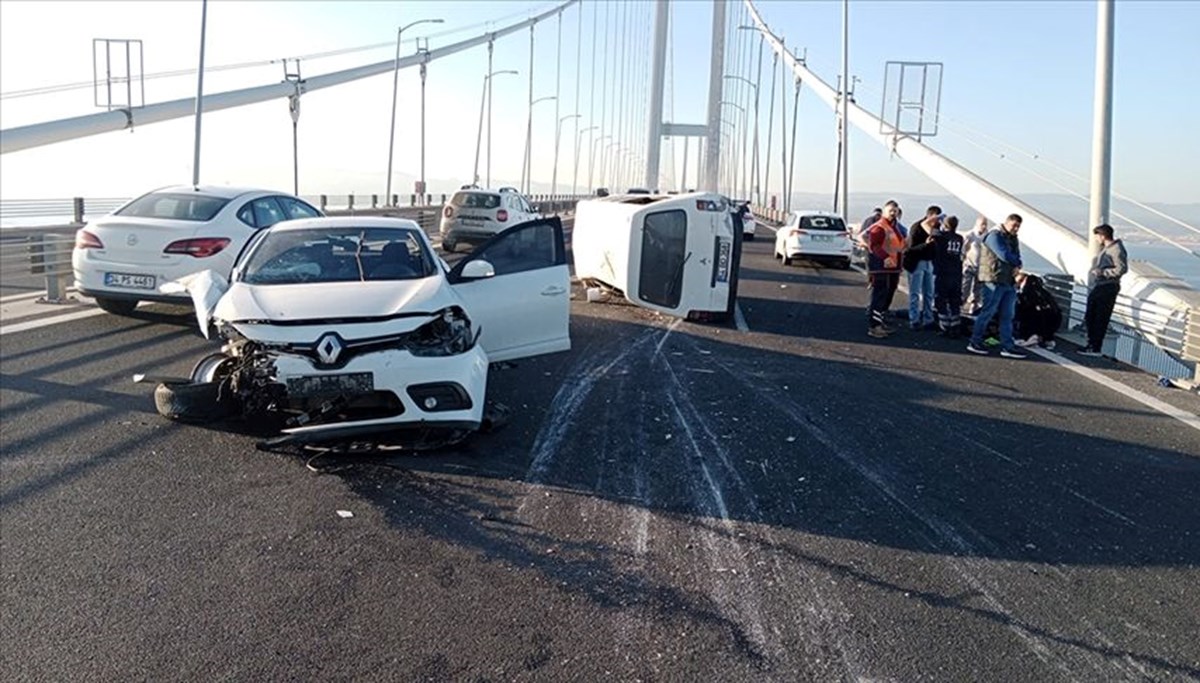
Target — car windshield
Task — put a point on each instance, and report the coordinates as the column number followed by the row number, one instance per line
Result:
column 181, row 206
column 287, row 257
column 822, row 223
column 475, row 200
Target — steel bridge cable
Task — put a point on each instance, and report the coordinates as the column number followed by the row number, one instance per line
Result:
column 952, row 123
column 1068, row 190
column 49, row 132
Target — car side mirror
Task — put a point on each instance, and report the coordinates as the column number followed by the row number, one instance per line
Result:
column 478, row 270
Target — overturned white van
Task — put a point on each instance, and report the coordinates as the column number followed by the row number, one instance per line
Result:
column 676, row 254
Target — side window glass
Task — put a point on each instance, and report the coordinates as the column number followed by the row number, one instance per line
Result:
column 517, row 251
column 246, row 215
column 294, row 208
column 267, row 212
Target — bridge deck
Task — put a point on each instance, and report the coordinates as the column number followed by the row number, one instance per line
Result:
column 670, row 501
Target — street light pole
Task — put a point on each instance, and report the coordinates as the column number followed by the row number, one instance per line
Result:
column 199, row 95
column 485, row 99
column 424, row 62
column 592, row 158
column 526, row 169
column 746, row 132
column 575, row 175
column 395, row 87
column 557, row 137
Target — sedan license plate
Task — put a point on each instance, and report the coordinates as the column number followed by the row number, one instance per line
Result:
column 331, row 385
column 822, row 238
column 129, row 280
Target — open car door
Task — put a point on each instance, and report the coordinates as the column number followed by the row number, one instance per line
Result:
column 517, row 290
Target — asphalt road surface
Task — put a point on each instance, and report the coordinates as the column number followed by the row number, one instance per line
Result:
column 670, row 502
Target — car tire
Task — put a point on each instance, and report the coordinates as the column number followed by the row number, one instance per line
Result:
column 749, row 237
column 844, row 264
column 212, row 368
column 449, row 247
column 117, row 306
column 204, row 402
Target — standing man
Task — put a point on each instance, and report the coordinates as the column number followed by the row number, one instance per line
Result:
column 918, row 263
column 972, row 243
column 1111, row 263
column 884, row 246
column 999, row 259
column 947, row 277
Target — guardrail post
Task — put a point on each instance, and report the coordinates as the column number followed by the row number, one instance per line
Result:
column 443, row 198
column 374, row 201
column 56, row 274
column 350, row 202
column 324, row 201
column 78, row 205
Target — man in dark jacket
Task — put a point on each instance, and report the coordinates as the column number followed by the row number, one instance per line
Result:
column 999, row 259
column 1111, row 263
column 884, row 246
column 918, row 263
column 1038, row 315
column 947, row 277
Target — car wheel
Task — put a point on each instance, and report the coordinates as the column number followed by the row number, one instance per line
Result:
column 212, row 368
column 844, row 264
column 449, row 247
column 195, row 402
column 117, row 306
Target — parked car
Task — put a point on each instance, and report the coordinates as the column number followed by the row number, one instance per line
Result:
column 350, row 326
column 814, row 235
column 123, row 258
column 474, row 216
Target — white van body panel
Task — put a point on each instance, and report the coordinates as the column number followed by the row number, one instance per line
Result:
column 669, row 253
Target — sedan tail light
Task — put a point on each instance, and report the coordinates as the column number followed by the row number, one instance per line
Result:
column 501, row 215
column 199, row 247
column 86, row 240
column 796, row 232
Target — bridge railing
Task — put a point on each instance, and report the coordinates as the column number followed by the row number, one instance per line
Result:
column 46, row 249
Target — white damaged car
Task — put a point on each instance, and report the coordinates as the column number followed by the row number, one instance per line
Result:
column 344, row 327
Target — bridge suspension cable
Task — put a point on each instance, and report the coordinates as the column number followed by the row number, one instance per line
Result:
column 61, row 130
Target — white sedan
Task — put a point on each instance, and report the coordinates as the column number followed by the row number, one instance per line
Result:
column 814, row 235
column 340, row 327
column 124, row 257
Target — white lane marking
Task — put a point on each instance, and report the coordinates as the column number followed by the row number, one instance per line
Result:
column 46, row 322
column 738, row 318
column 1189, row 419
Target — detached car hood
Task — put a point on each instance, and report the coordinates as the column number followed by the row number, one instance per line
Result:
column 325, row 302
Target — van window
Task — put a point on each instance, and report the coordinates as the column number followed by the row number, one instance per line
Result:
column 664, row 252
column 822, row 223
column 475, row 200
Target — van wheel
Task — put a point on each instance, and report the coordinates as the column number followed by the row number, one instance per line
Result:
column 117, row 306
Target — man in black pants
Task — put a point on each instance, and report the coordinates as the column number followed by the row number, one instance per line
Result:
column 1111, row 263
column 884, row 247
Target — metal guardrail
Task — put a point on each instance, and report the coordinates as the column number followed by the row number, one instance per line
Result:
column 46, row 250
column 1147, row 335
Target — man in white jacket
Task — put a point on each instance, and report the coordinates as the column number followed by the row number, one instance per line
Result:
column 972, row 242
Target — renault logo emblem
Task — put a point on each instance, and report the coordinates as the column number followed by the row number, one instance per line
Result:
column 329, row 347
column 131, row 240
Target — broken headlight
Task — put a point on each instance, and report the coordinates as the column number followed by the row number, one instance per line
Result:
column 448, row 334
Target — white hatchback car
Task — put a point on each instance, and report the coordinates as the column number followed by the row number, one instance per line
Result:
column 816, row 236
column 124, row 257
column 351, row 326
column 473, row 215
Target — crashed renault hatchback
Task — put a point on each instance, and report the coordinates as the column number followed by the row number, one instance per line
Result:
column 352, row 326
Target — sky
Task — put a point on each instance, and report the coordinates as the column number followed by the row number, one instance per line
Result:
column 1021, row 71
